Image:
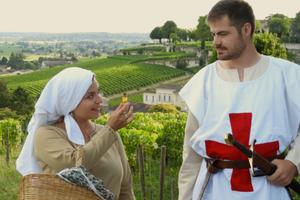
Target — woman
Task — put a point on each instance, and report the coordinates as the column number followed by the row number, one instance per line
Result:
column 60, row 128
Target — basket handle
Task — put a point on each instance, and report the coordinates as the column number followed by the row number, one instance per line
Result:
column 78, row 157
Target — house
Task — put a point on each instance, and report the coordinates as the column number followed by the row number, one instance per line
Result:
column 50, row 63
column 164, row 94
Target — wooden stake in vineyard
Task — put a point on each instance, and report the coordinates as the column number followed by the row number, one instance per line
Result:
column 142, row 171
column 7, row 147
column 162, row 171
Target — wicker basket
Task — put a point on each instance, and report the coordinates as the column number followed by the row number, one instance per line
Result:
column 51, row 187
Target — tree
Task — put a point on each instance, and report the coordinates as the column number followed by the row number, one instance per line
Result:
column 3, row 61
column 4, row 95
column 192, row 34
column 295, row 29
column 182, row 34
column 16, row 60
column 203, row 30
column 258, row 26
column 280, row 25
column 156, row 33
column 269, row 44
column 168, row 28
column 174, row 37
column 181, row 63
column 21, row 101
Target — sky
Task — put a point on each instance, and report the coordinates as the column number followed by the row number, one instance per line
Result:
column 118, row 16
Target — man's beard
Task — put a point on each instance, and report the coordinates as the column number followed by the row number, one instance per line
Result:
column 231, row 54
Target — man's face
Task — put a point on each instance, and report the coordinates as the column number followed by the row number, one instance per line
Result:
column 229, row 43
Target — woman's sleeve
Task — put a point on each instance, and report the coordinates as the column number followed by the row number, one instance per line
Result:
column 293, row 154
column 126, row 192
column 55, row 150
column 191, row 162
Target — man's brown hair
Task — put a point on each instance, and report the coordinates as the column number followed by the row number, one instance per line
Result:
column 239, row 12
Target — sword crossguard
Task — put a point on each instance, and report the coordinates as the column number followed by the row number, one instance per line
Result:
column 228, row 138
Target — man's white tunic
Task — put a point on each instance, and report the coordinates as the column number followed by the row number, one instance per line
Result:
column 272, row 100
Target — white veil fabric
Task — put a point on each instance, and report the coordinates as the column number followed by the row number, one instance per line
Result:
column 60, row 97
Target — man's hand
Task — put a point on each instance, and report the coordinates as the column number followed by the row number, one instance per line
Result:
column 284, row 174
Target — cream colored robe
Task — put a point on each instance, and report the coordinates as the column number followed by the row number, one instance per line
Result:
column 191, row 161
column 103, row 156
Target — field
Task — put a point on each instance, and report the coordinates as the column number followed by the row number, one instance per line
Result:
column 115, row 74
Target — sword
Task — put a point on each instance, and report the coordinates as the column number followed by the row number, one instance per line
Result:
column 263, row 164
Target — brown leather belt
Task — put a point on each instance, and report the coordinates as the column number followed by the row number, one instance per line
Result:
column 216, row 165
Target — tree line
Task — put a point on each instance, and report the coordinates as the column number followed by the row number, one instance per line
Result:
column 285, row 28
column 17, row 61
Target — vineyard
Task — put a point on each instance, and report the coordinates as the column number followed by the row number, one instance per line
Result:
column 115, row 74
column 151, row 130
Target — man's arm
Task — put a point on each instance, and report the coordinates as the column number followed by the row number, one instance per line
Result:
column 191, row 162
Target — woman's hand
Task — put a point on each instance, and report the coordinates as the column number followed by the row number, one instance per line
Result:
column 120, row 117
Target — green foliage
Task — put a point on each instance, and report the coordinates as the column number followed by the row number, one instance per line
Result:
column 269, row 44
column 4, row 94
column 181, row 63
column 21, row 101
column 172, row 137
column 164, row 108
column 3, row 61
column 213, row 57
column 9, row 177
column 149, row 48
column 13, row 127
column 168, row 28
column 174, row 37
column 280, row 25
column 156, row 33
column 16, row 60
column 149, row 129
column 258, row 26
column 7, row 113
column 295, row 29
column 182, row 34
column 203, row 30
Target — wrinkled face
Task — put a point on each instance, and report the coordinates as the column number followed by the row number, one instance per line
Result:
column 229, row 43
column 90, row 105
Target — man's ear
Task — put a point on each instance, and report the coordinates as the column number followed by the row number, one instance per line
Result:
column 247, row 29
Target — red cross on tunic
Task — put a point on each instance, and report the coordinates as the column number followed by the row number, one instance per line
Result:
column 240, row 126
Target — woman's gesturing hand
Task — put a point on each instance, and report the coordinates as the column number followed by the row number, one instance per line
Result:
column 120, row 117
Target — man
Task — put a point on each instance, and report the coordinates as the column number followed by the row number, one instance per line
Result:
column 254, row 97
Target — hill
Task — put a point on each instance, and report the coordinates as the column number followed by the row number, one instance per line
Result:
column 115, row 74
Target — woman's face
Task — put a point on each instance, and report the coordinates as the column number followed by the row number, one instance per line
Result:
column 90, row 105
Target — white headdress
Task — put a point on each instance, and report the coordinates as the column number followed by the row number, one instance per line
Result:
column 60, row 97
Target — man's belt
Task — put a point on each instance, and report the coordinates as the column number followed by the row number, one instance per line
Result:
column 216, row 165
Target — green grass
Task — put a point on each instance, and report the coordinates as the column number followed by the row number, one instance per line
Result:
column 9, row 179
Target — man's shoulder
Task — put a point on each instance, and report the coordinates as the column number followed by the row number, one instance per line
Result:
column 283, row 63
